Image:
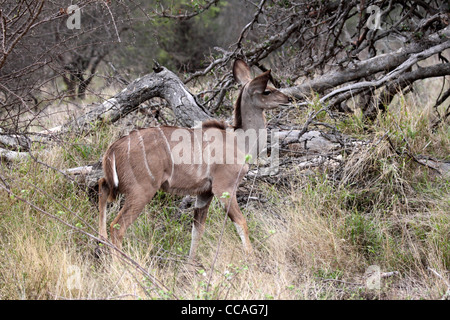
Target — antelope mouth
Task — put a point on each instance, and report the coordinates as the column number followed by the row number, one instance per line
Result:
column 288, row 105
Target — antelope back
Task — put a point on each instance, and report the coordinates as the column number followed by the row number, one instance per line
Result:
column 177, row 160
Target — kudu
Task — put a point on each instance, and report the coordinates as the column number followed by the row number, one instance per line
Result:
column 148, row 160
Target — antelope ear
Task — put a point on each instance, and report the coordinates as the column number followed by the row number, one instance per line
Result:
column 241, row 72
column 259, row 84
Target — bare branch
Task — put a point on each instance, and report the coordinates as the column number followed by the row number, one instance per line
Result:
column 187, row 15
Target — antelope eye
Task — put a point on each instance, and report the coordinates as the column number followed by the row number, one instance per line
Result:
column 267, row 92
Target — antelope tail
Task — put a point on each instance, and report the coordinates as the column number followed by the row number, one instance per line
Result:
column 111, row 176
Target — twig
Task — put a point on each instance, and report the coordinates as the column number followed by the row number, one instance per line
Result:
column 250, row 24
column 407, row 151
column 440, row 101
column 389, row 274
column 113, row 21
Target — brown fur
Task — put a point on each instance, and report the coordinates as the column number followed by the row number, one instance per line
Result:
column 237, row 112
column 214, row 124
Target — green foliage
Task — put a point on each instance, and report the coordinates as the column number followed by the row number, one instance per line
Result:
column 176, row 43
column 352, row 124
column 365, row 233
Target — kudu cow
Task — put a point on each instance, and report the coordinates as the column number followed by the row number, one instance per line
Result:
column 170, row 159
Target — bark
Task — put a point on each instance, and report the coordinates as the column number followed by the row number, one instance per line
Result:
column 15, row 141
column 11, row 156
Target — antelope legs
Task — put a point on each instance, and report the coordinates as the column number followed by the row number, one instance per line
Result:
column 198, row 227
column 135, row 203
column 132, row 208
column 235, row 214
column 103, row 196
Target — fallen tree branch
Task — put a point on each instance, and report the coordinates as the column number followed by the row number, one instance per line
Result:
column 413, row 59
column 14, row 141
column 443, row 168
column 10, row 155
column 397, row 61
column 162, row 83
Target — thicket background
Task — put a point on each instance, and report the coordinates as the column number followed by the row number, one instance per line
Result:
column 378, row 75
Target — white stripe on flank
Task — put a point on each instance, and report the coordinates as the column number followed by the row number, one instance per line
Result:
column 198, row 159
column 129, row 147
column 208, row 160
column 141, row 141
column 169, row 151
column 115, row 176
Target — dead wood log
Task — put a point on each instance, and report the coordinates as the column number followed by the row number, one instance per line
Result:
column 14, row 141
column 398, row 61
column 9, row 155
column 162, row 83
